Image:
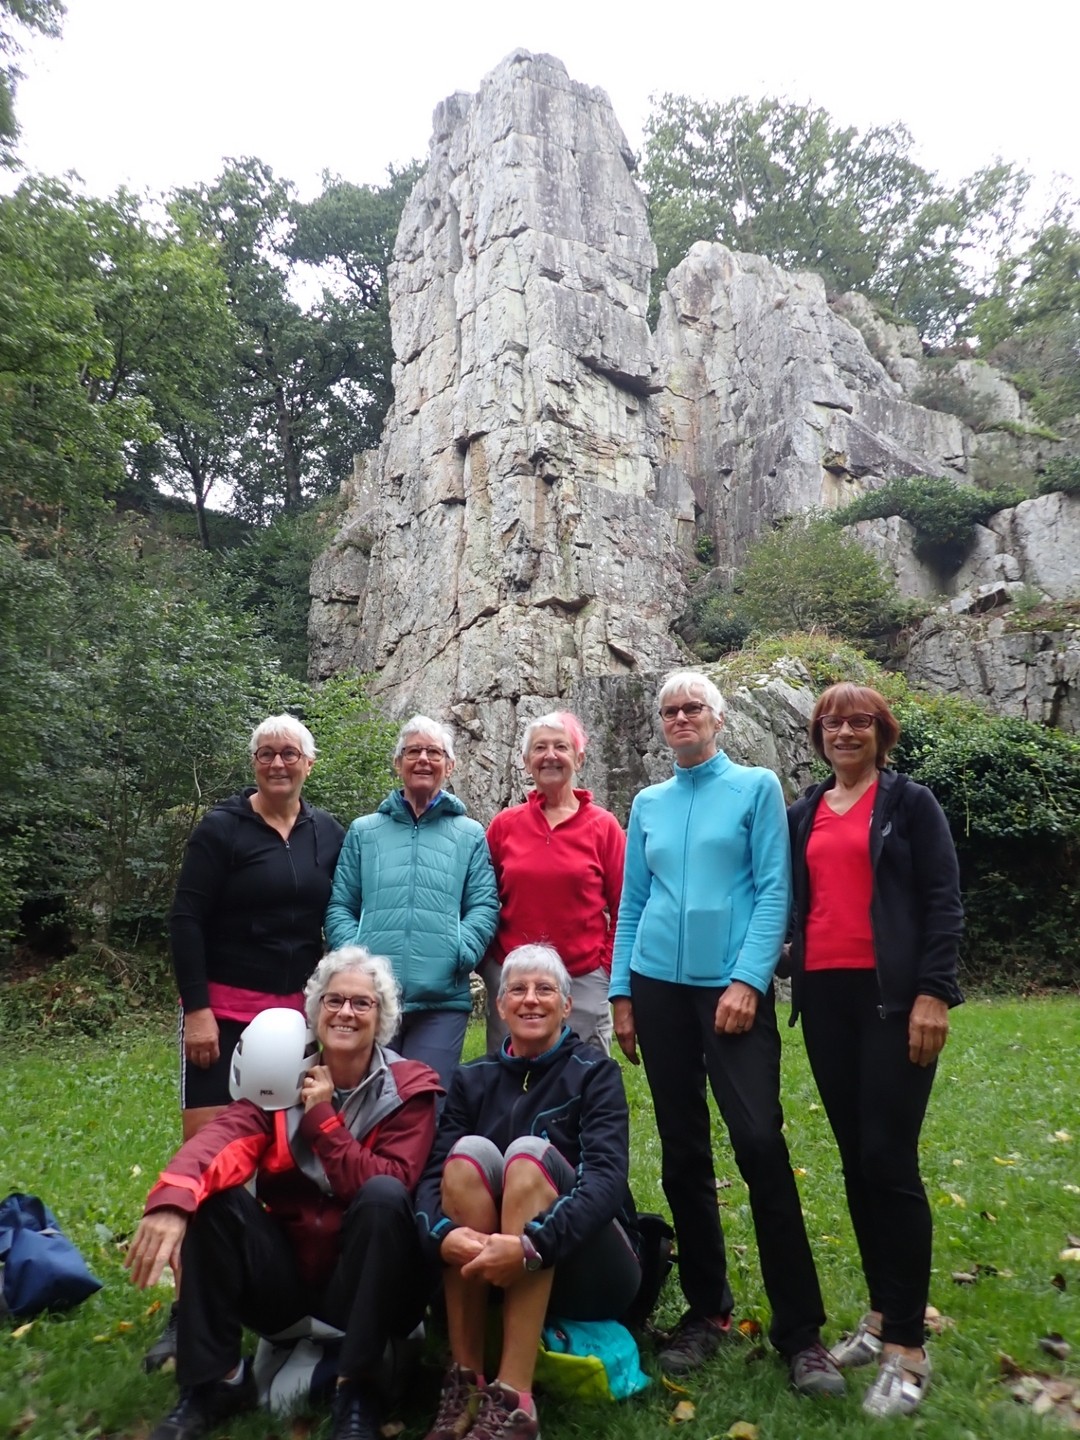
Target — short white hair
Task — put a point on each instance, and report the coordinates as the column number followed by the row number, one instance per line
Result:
column 358, row 960
column 564, row 720
column 424, row 725
column 530, row 959
column 693, row 682
column 284, row 727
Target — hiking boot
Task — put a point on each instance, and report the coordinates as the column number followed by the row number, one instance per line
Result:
column 694, row 1340
column 459, row 1402
column 164, row 1347
column 899, row 1386
column 200, row 1407
column 501, row 1416
column 353, row 1414
column 814, row 1372
column 861, row 1347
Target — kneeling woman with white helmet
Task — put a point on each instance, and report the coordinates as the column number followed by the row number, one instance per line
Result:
column 336, row 1143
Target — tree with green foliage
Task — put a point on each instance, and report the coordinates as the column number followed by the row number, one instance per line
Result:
column 349, row 231
column 67, row 420
column 784, row 181
column 42, row 16
column 1030, row 324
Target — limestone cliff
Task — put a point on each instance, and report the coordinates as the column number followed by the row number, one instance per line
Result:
column 524, row 531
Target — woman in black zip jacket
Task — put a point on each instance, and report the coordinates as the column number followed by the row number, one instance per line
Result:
column 876, row 930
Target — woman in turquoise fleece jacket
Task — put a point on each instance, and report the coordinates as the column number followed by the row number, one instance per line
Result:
column 704, row 911
column 415, row 883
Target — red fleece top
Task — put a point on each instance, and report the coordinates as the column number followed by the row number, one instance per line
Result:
column 558, row 887
column 838, row 931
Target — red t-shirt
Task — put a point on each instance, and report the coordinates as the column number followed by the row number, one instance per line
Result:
column 838, row 933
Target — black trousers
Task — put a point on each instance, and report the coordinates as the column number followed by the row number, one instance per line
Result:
column 681, row 1050
column 875, row 1099
column 240, row 1270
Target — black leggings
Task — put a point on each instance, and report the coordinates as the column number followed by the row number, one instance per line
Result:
column 875, row 1098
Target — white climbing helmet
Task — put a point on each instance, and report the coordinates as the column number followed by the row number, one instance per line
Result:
column 271, row 1058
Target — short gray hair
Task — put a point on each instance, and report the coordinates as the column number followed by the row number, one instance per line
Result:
column 557, row 720
column 287, row 727
column 424, row 725
column 693, row 682
column 532, row 958
column 356, row 960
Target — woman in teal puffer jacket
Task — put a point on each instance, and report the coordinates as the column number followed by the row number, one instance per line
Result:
column 414, row 882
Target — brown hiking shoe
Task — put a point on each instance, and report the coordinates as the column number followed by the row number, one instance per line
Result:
column 501, row 1416
column 459, row 1401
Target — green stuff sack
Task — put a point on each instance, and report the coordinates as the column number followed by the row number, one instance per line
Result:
column 589, row 1360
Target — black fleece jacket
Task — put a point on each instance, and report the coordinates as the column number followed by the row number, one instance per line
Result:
column 249, row 905
column 573, row 1096
column 915, row 911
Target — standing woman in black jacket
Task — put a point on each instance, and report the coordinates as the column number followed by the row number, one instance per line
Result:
column 246, row 922
column 877, row 927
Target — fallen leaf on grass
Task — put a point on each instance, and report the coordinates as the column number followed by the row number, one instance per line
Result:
column 986, row 1215
column 965, row 1277
column 152, row 1309
column 1072, row 1239
column 1059, row 1137
column 23, row 1422
column 1072, row 1253
column 684, row 1410
column 21, row 1330
column 1045, row 1394
column 1058, row 1281
column 750, row 1328
column 935, row 1322
column 998, row 1160
column 136, row 1169
column 670, row 1385
column 1071, row 1189
column 1055, row 1345
column 800, row 1172
column 743, row 1430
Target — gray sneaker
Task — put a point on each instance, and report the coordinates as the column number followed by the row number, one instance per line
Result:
column 694, row 1340
column 815, row 1372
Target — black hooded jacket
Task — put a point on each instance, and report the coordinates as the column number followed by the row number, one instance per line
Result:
column 249, row 905
column 915, row 911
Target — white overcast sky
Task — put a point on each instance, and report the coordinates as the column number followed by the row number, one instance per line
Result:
column 152, row 94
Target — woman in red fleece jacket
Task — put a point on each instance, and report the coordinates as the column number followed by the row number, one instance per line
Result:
column 559, row 866
column 330, row 1231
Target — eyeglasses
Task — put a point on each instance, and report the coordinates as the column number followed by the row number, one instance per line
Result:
column 691, row 709
column 543, row 991
column 360, row 1004
column 433, row 752
column 832, row 723
column 266, row 755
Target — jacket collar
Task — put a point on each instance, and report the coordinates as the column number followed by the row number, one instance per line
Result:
column 695, row 774
column 519, row 1064
column 444, row 803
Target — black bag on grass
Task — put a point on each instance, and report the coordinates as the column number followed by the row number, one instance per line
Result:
column 657, row 1256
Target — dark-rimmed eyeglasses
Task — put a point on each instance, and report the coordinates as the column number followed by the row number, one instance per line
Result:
column 359, row 1004
column 691, row 709
column 832, row 723
column 266, row 755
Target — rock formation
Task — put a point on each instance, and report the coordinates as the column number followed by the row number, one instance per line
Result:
column 524, row 532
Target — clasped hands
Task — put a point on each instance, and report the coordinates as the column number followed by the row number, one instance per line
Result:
column 498, row 1259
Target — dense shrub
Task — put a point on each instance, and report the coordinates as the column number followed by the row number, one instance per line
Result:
column 1061, row 474
column 942, row 512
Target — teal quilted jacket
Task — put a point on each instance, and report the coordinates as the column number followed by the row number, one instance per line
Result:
column 422, row 893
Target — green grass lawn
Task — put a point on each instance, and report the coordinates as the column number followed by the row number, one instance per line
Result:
column 88, row 1127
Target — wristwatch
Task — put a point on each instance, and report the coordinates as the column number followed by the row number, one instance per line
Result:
column 532, row 1259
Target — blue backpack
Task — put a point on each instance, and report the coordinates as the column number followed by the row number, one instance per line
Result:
column 42, row 1268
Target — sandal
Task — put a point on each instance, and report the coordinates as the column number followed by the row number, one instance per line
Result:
column 899, row 1386
column 861, row 1347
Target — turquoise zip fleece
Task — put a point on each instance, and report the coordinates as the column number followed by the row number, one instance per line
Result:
column 707, row 885
column 422, row 893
